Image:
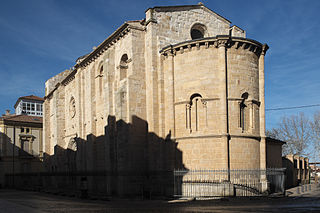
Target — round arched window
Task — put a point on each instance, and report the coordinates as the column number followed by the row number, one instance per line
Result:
column 72, row 107
column 198, row 31
column 123, row 66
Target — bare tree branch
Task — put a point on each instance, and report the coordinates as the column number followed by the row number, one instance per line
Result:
column 296, row 131
column 315, row 125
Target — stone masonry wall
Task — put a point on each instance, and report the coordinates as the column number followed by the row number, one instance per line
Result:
column 174, row 26
column 194, row 85
column 158, row 111
column 243, row 76
column 167, row 27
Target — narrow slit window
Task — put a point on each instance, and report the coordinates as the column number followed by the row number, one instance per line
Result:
column 100, row 80
column 242, row 115
column 242, row 111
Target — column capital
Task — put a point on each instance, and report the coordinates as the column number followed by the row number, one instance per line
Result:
column 222, row 42
column 265, row 47
column 172, row 51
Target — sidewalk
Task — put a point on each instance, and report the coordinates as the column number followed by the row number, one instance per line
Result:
column 301, row 190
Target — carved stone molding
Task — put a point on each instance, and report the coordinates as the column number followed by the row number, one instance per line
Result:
column 221, row 43
column 217, row 42
column 68, row 80
column 218, row 136
column 265, row 47
column 72, row 107
column 113, row 39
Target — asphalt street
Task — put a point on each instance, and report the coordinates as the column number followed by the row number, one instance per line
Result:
column 29, row 202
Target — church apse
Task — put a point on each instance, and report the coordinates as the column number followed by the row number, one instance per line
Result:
column 159, row 94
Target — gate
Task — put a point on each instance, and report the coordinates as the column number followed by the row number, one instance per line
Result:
column 276, row 178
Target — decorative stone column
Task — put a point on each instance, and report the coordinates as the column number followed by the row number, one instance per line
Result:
column 222, row 66
column 263, row 162
column 170, row 95
column 151, row 65
column 263, row 159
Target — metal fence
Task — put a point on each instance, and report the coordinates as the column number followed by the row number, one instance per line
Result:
column 221, row 183
column 180, row 183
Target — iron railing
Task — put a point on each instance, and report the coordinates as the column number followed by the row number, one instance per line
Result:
column 180, row 183
column 221, row 183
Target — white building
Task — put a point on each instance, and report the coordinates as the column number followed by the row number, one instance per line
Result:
column 29, row 105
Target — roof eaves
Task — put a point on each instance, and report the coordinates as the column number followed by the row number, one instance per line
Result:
column 52, row 91
column 27, row 98
column 269, row 139
column 104, row 43
column 218, row 15
column 69, row 76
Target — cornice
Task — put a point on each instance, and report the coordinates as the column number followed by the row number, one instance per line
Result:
column 218, row 41
column 265, row 47
column 152, row 20
column 257, row 137
column 106, row 44
column 22, row 123
column 49, row 96
column 69, row 78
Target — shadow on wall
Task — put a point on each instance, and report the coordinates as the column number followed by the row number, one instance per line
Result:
column 16, row 160
column 291, row 173
column 126, row 161
column 297, row 171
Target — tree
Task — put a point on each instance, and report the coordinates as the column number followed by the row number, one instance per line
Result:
column 315, row 125
column 296, row 131
column 274, row 133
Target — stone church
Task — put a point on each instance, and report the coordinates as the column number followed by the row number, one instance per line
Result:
column 179, row 89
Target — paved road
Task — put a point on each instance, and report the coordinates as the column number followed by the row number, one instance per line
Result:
column 34, row 202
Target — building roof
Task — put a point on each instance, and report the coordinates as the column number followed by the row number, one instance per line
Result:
column 268, row 139
column 29, row 97
column 188, row 7
column 137, row 24
column 22, row 118
column 121, row 31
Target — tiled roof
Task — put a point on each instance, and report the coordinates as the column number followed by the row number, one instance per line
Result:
column 32, row 97
column 22, row 118
column 29, row 97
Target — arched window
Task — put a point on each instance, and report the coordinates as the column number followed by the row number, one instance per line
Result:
column 242, row 117
column 72, row 107
column 192, row 112
column 123, row 66
column 198, row 31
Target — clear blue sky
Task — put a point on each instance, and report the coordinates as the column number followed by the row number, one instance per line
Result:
column 40, row 38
